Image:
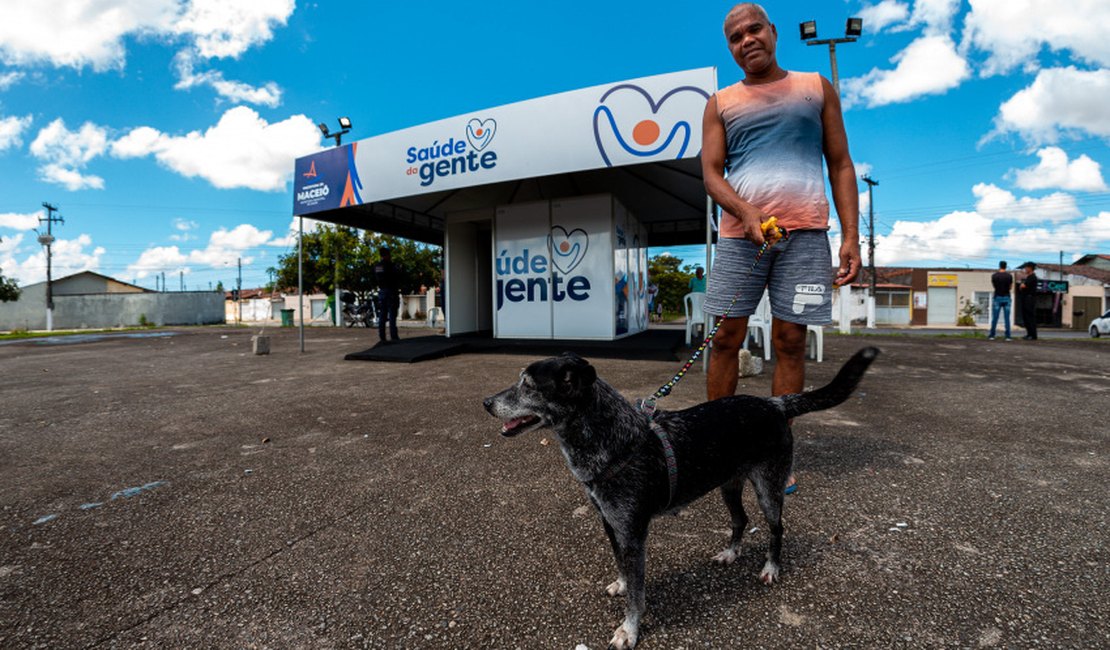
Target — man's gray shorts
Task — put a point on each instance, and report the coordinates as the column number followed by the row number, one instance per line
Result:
column 798, row 272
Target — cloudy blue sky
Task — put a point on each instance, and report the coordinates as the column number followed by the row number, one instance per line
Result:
column 166, row 129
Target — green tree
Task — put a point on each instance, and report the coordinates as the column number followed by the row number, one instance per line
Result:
column 673, row 281
column 339, row 256
column 9, row 290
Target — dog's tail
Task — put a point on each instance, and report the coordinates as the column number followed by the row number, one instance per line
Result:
column 838, row 390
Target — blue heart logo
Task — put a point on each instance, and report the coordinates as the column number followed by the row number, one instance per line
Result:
column 567, row 248
column 647, row 138
column 479, row 133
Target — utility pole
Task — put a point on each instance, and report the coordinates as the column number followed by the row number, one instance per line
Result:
column 47, row 240
column 239, row 290
column 871, row 183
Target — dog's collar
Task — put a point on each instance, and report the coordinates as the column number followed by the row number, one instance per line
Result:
column 648, row 408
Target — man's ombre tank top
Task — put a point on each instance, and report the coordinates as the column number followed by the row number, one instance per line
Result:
column 774, row 140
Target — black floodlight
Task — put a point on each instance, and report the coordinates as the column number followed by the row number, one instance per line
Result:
column 344, row 127
column 808, row 29
column 854, row 27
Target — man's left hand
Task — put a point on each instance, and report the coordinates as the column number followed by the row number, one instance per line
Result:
column 849, row 263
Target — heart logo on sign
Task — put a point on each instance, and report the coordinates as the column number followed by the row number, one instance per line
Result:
column 479, row 133
column 654, row 134
column 568, row 249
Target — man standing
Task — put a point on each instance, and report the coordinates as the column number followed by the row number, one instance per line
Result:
column 1027, row 288
column 1002, row 281
column 770, row 132
column 697, row 283
column 388, row 301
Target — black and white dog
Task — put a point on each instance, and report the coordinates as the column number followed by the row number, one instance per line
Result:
column 634, row 469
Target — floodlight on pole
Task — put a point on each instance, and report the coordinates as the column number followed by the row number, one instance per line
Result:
column 344, row 127
column 852, row 29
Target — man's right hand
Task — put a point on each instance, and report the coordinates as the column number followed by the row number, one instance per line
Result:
column 753, row 225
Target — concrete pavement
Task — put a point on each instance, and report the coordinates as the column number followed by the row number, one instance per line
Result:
column 177, row 491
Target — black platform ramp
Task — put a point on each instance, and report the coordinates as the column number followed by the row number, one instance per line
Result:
column 411, row 350
column 652, row 345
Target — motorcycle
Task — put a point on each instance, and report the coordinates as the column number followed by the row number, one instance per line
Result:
column 355, row 313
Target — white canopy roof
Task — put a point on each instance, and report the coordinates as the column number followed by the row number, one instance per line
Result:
column 638, row 140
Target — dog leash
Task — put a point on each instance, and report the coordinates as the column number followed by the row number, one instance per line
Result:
column 772, row 233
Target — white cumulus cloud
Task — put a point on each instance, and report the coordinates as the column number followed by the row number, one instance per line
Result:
column 225, row 249
column 227, row 28
column 78, row 33
column 64, row 154
column 1013, row 32
column 929, row 65
column 93, row 33
column 884, row 14
column 1092, row 233
column 1055, row 171
column 955, row 235
column 236, row 91
column 290, row 237
column 9, row 79
column 999, row 204
column 241, row 150
column 16, row 221
column 935, row 16
column 159, row 259
column 11, row 130
column 69, row 256
column 1060, row 102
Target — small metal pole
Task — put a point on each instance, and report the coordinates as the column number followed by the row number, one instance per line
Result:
column 300, row 278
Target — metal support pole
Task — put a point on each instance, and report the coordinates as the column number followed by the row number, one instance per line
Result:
column 871, row 183
column 300, row 278
column 831, row 42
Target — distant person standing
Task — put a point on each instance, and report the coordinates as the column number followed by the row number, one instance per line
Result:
column 388, row 301
column 1000, row 302
column 1027, row 288
column 697, row 283
column 652, row 293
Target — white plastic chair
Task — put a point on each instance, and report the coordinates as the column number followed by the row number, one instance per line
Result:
column 816, row 335
column 695, row 312
column 759, row 326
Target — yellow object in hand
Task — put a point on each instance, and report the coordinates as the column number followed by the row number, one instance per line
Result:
column 771, row 231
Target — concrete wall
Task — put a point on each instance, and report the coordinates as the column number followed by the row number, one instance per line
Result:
column 100, row 310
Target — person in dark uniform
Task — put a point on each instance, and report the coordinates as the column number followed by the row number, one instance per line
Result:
column 1027, row 288
column 388, row 301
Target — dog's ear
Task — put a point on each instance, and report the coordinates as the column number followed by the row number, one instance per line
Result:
column 576, row 374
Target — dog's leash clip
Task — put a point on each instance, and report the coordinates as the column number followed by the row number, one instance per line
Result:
column 647, row 406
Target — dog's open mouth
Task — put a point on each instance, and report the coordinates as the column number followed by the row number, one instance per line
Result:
column 519, row 425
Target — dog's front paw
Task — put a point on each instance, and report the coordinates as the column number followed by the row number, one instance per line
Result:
column 623, row 639
column 617, row 588
column 726, row 557
column 769, row 574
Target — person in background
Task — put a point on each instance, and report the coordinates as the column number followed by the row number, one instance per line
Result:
column 697, row 283
column 1000, row 302
column 385, row 272
column 1027, row 288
